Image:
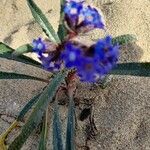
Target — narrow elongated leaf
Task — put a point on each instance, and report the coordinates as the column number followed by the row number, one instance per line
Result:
column 37, row 113
column 5, row 49
column 2, row 145
column 70, row 145
column 62, row 2
column 23, row 49
column 27, row 107
column 6, row 52
column 43, row 22
column 57, row 133
column 124, row 39
column 43, row 139
column 62, row 31
column 12, row 75
column 22, row 59
column 133, row 69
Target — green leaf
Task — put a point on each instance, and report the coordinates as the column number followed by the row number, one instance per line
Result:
column 12, row 75
column 6, row 52
column 27, row 107
column 62, row 32
column 5, row 49
column 70, row 135
column 62, row 2
column 43, row 139
column 124, row 39
column 43, row 22
column 133, row 69
column 23, row 49
column 57, row 133
column 37, row 113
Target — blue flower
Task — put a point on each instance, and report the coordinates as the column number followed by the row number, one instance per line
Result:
column 81, row 18
column 71, row 55
column 47, row 54
column 49, row 64
column 89, row 69
column 92, row 18
column 72, row 10
column 39, row 46
column 107, row 53
column 105, row 49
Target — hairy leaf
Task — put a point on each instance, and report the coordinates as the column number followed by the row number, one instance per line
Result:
column 57, row 133
column 12, row 75
column 70, row 145
column 133, row 69
column 37, row 113
column 43, row 22
column 62, row 2
column 43, row 139
column 5, row 49
column 27, row 107
column 124, row 39
column 3, row 146
column 6, row 52
column 62, row 32
column 23, row 49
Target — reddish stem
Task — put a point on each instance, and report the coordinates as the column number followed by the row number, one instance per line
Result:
column 71, row 82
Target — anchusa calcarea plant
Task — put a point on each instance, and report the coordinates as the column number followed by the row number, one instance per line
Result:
column 68, row 60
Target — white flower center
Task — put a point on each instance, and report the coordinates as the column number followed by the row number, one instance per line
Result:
column 81, row 18
column 90, row 18
column 40, row 46
column 73, row 11
column 52, row 65
column 72, row 56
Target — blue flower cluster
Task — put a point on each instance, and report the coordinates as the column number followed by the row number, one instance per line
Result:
column 82, row 18
column 39, row 46
column 91, row 63
column 48, row 60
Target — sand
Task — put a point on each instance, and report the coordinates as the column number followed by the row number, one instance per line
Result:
column 122, row 110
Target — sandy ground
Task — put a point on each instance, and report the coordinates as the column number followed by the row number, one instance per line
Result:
column 122, row 110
